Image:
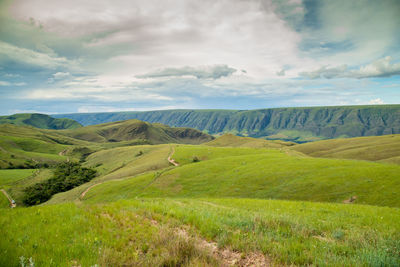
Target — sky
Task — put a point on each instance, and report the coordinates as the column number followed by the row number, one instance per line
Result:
column 102, row 56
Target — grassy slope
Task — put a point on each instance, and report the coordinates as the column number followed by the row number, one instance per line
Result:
column 68, row 235
column 262, row 174
column 375, row 148
column 119, row 163
column 16, row 189
column 26, row 146
column 9, row 177
column 290, row 232
column 4, row 203
column 10, row 180
column 19, row 145
column 230, row 140
column 299, row 233
column 40, row 121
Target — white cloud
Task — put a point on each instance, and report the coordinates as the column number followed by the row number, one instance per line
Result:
column 376, row 101
column 155, row 35
column 202, row 72
column 30, row 57
column 379, row 68
column 101, row 108
column 3, row 83
column 61, row 75
column 12, row 75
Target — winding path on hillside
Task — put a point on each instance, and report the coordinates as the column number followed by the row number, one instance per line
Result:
column 170, row 160
column 12, row 203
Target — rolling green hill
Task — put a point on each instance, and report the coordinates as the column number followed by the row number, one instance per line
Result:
column 41, row 121
column 228, row 203
column 27, row 147
column 294, row 124
column 375, row 148
column 138, row 130
column 263, row 174
column 230, row 140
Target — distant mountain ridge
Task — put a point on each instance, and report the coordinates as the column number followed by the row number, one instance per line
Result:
column 153, row 133
column 293, row 124
column 41, row 121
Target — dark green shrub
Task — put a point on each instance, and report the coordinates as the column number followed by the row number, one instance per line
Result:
column 66, row 176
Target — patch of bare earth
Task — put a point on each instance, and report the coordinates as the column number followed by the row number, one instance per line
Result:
column 171, row 160
column 227, row 256
column 350, row 200
column 87, row 190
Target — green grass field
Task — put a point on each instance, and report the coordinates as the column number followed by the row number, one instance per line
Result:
column 9, row 177
column 384, row 148
column 4, row 203
column 235, row 201
column 264, row 174
column 119, row 163
column 230, row 140
column 112, row 235
column 144, row 232
column 16, row 189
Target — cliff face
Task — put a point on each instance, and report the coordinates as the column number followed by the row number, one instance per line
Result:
column 297, row 124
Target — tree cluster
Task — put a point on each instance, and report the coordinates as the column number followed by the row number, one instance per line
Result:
column 66, row 176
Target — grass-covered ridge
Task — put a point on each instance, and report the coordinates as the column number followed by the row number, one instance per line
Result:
column 260, row 173
column 40, row 121
column 138, row 130
column 27, row 147
column 294, row 124
column 230, row 140
column 375, row 148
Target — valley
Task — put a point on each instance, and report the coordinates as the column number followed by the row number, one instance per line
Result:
column 167, row 196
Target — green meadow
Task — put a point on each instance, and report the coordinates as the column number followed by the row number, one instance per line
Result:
column 262, row 174
column 145, row 232
column 232, row 201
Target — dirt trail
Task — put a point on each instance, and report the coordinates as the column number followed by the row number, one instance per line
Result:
column 87, row 190
column 12, row 203
column 171, row 160
column 227, row 256
column 63, row 153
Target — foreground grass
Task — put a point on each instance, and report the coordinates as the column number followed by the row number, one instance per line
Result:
column 112, row 235
column 260, row 174
column 123, row 233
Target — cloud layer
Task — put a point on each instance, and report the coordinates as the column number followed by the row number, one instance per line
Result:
column 114, row 55
column 205, row 72
column 376, row 69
